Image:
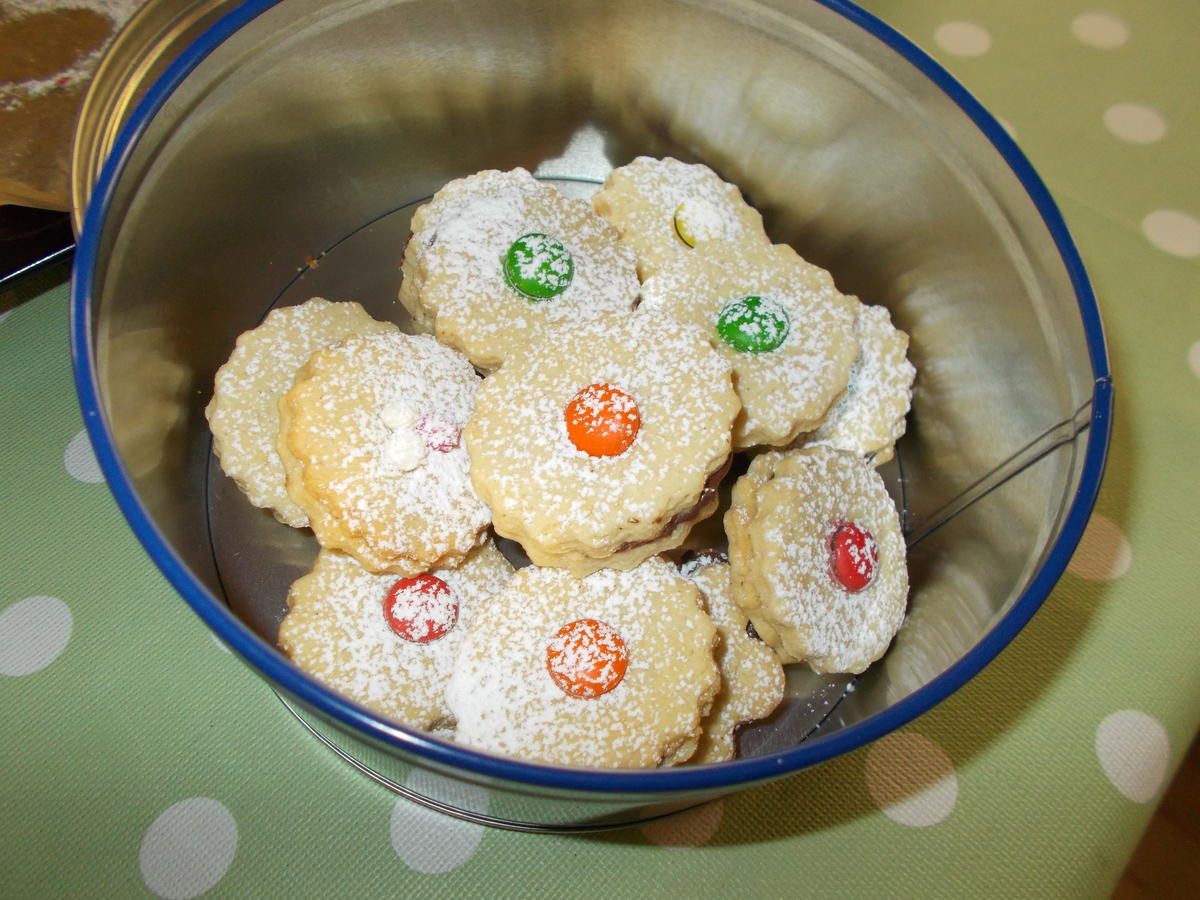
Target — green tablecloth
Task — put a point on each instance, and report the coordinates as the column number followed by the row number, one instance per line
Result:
column 140, row 756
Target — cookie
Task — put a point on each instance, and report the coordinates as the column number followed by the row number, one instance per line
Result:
column 870, row 417
column 663, row 208
column 603, row 445
column 751, row 675
column 785, row 329
column 612, row 670
column 387, row 642
column 497, row 256
column 244, row 411
column 817, row 558
column 371, row 445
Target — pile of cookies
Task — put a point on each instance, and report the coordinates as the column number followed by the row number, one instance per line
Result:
column 579, row 382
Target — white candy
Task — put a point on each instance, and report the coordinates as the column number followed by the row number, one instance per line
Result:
column 403, row 451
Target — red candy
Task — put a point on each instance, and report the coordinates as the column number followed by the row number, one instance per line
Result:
column 586, row 658
column 602, row 420
column 421, row 609
column 853, row 556
column 438, row 432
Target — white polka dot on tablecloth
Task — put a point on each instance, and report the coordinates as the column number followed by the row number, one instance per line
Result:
column 1100, row 30
column 33, row 633
column 963, row 38
column 433, row 842
column 685, row 830
column 911, row 779
column 80, row 461
column 1194, row 358
column 449, row 791
column 1133, row 750
column 1104, row 553
column 1173, row 231
column 188, row 848
column 1135, row 123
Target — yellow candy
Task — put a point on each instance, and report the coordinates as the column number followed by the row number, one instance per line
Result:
column 698, row 220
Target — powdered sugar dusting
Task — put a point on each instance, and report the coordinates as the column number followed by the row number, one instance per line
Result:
column 789, row 389
column 336, row 629
column 439, row 430
column 421, row 609
column 244, row 411
column 506, row 701
column 399, row 414
column 871, row 416
column 796, row 501
column 698, row 219
column 548, row 494
column 358, row 498
column 657, row 203
column 751, row 674
column 608, row 656
column 586, row 658
column 454, row 263
column 541, row 261
column 403, row 448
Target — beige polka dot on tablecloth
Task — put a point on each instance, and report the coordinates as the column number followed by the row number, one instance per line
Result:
column 963, row 38
column 1101, row 30
column 1104, row 553
column 911, row 779
column 1135, row 123
column 686, row 830
column 1173, row 231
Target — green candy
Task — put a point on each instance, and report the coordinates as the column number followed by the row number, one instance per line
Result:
column 753, row 324
column 537, row 266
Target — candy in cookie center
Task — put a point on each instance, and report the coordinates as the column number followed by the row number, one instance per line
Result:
column 586, row 658
column 753, row 324
column 602, row 420
column 538, row 266
column 440, row 432
column 853, row 556
column 696, row 220
column 411, row 433
column 421, row 610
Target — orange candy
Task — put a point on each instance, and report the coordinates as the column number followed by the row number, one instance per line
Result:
column 586, row 658
column 602, row 420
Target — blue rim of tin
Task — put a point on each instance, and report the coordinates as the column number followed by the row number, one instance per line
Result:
column 737, row 773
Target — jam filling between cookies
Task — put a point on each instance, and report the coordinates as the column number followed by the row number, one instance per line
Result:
column 586, row 658
column 753, row 324
column 602, row 420
column 537, row 266
column 421, row 609
column 853, row 557
column 707, row 493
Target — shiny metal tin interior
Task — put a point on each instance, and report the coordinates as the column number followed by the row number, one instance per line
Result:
column 158, row 32
column 280, row 156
